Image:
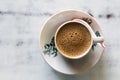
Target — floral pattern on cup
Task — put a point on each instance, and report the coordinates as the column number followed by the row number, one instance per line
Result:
column 97, row 33
column 50, row 48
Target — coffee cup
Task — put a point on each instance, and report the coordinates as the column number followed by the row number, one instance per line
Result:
column 74, row 39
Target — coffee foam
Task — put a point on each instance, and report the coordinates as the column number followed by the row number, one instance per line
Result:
column 73, row 39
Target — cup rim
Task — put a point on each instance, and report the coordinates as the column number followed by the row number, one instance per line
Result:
column 81, row 55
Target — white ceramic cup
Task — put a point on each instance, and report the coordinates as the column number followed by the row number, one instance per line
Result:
column 94, row 38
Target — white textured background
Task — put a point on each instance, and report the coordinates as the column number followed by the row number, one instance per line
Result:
column 20, row 25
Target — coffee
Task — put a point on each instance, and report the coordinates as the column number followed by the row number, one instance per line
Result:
column 73, row 39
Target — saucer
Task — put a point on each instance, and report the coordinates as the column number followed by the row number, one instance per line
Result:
column 52, row 55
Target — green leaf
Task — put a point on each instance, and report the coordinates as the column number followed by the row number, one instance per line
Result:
column 97, row 34
column 50, row 48
column 93, row 46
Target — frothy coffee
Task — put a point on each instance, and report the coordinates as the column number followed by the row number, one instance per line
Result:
column 73, row 39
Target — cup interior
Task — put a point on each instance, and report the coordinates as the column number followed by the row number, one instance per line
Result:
column 82, row 53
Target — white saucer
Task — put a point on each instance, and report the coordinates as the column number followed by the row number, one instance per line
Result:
column 56, row 60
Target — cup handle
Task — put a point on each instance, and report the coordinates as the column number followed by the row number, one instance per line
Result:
column 95, row 38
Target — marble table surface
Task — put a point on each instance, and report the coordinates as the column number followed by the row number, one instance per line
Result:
column 20, row 25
